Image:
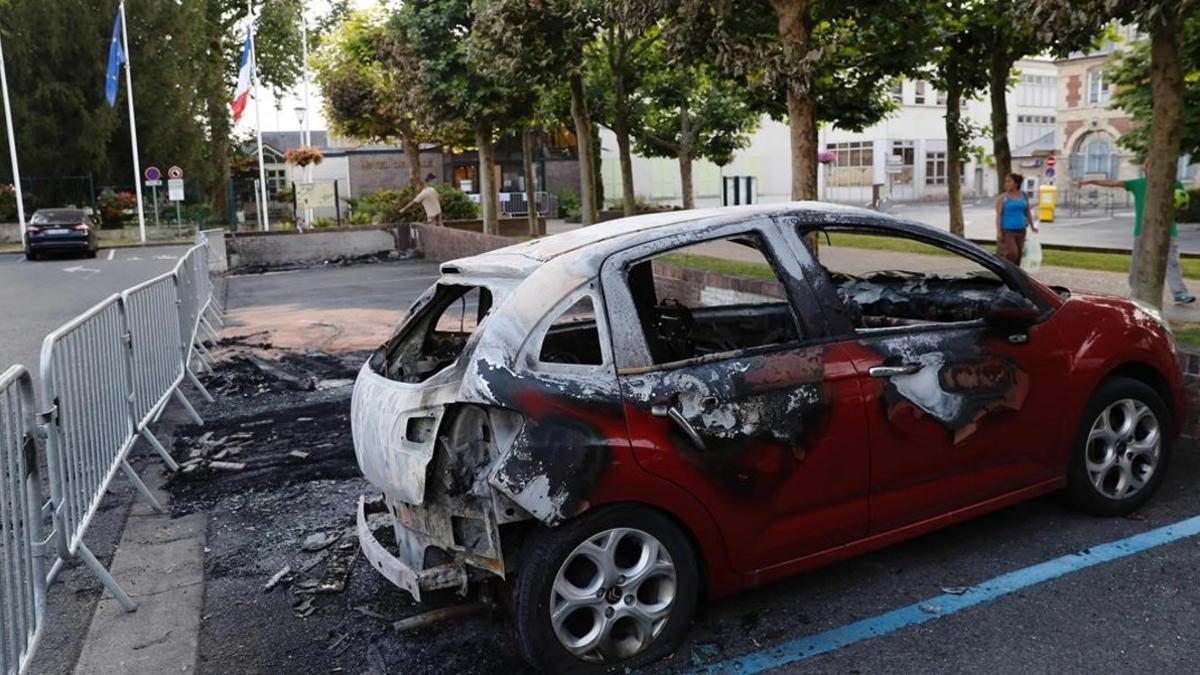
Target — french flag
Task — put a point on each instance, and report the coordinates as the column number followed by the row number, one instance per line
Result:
column 242, row 93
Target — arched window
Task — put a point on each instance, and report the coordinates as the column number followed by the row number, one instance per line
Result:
column 1098, row 153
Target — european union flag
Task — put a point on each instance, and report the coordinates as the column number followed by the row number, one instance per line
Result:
column 116, row 56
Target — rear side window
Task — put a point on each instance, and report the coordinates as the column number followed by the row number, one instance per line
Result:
column 574, row 337
column 435, row 335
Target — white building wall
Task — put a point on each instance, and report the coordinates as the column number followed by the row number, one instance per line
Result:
column 922, row 125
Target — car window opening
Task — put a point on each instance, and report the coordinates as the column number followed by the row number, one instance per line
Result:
column 437, row 333
column 687, row 312
column 573, row 338
column 949, row 289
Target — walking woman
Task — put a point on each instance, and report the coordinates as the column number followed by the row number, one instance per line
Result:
column 1013, row 215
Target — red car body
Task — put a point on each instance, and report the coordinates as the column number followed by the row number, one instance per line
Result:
column 833, row 462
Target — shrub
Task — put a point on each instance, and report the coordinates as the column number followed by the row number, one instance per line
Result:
column 387, row 206
column 8, row 203
column 116, row 208
column 569, row 205
column 1191, row 214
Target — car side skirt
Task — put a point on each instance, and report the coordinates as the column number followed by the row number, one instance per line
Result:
column 890, row 537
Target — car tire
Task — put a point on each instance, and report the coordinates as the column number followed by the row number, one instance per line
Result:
column 92, row 253
column 30, row 255
column 564, row 555
column 1116, row 465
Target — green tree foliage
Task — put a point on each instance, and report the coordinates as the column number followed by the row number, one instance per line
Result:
column 1162, row 20
column 387, row 206
column 688, row 112
column 457, row 94
column 816, row 61
column 1130, row 73
column 371, row 85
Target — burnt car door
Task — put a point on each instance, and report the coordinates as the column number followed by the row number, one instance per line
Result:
column 725, row 396
column 962, row 405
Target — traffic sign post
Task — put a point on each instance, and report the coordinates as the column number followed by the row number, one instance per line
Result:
column 175, row 192
column 153, row 180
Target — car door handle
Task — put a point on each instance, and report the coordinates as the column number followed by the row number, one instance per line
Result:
column 892, row 371
column 672, row 413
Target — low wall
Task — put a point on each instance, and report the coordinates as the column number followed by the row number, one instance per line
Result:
column 509, row 227
column 268, row 249
column 445, row 243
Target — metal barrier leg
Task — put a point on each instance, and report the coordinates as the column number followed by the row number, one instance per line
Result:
column 140, row 486
column 215, row 315
column 162, row 452
column 212, row 334
column 187, row 405
column 199, row 386
column 105, row 578
column 205, row 354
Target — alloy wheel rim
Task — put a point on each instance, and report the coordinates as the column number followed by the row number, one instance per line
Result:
column 1123, row 448
column 613, row 595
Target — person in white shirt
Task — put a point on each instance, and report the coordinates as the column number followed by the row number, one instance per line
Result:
column 427, row 197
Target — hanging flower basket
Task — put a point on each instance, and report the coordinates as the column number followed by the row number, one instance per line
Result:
column 303, row 156
column 826, row 156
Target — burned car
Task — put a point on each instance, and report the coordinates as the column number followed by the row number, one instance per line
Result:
column 617, row 421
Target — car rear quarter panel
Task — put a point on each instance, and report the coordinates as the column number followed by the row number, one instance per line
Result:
column 1104, row 335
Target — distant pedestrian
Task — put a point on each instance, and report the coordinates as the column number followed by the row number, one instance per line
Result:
column 1013, row 215
column 427, row 197
column 1137, row 187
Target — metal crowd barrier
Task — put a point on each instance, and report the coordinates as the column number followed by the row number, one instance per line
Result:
column 22, row 575
column 106, row 376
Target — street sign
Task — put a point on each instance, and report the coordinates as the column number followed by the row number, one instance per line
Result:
column 1050, row 161
column 152, row 174
column 174, row 172
column 153, row 183
column 1050, row 172
column 175, row 189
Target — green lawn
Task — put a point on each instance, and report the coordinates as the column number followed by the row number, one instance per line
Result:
column 1103, row 262
column 1187, row 334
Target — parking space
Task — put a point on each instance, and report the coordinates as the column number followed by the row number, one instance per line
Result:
column 38, row 296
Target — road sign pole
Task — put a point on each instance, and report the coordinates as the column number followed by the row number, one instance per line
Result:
column 154, row 192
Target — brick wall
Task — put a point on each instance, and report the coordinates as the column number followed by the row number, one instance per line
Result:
column 443, row 243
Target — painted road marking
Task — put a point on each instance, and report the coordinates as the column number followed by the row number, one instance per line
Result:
column 165, row 257
column 800, row 649
column 111, row 253
column 80, row 268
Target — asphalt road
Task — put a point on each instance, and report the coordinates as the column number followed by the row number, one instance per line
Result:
column 37, row 297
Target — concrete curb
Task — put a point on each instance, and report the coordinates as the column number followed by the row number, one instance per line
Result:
column 160, row 562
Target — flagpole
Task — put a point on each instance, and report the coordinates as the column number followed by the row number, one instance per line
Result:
column 137, row 164
column 12, row 144
column 262, row 171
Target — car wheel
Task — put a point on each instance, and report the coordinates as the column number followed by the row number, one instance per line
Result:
column 92, row 253
column 1122, row 449
column 614, row 589
column 30, row 255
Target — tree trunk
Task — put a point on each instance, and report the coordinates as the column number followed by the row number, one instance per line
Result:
column 218, row 116
column 487, row 181
column 1166, row 134
column 802, row 110
column 954, row 156
column 586, row 150
column 621, row 129
column 412, row 153
column 686, row 141
column 530, row 188
column 998, row 72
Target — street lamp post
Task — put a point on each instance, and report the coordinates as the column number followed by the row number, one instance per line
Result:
column 302, row 110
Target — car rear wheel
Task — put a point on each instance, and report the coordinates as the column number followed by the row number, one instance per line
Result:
column 30, row 255
column 615, row 589
column 1122, row 449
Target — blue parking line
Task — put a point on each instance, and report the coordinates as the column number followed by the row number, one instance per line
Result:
column 937, row 606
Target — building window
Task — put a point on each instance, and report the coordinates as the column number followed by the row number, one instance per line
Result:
column 919, row 96
column 935, row 168
column 1036, row 91
column 1099, row 90
column 898, row 91
column 854, row 164
column 940, row 97
column 1098, row 157
column 1030, row 128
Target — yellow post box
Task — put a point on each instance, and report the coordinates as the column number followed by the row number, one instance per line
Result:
column 1046, row 201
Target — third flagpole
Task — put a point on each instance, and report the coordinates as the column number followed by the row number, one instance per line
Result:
column 262, row 171
column 137, row 164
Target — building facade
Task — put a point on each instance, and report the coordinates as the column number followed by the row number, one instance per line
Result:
column 905, row 154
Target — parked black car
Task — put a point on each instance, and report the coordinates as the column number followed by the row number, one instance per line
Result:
column 61, row 230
